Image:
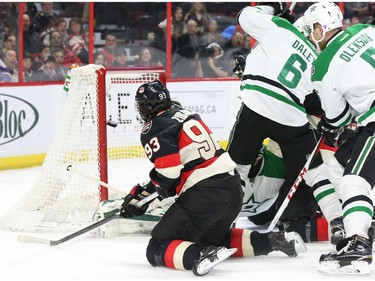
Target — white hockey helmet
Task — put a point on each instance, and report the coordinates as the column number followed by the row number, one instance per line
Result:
column 327, row 14
column 300, row 25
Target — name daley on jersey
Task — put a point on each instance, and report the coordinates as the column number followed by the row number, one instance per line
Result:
column 306, row 52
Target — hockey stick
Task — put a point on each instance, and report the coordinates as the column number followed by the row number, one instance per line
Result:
column 70, row 168
column 39, row 240
column 109, row 187
column 296, row 184
column 291, row 7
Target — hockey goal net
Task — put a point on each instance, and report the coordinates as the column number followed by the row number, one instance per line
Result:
column 87, row 153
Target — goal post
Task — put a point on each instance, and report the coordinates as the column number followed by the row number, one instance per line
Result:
column 86, row 153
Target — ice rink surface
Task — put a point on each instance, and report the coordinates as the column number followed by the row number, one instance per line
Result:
column 123, row 258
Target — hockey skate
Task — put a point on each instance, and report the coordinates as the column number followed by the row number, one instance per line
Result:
column 210, row 257
column 353, row 257
column 337, row 230
column 290, row 243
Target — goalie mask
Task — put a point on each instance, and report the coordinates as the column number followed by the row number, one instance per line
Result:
column 327, row 14
column 151, row 98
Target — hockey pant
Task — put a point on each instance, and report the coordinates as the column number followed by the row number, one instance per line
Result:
column 201, row 217
column 355, row 161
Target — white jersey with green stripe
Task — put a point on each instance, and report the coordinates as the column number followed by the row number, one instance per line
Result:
column 278, row 69
column 261, row 190
column 344, row 76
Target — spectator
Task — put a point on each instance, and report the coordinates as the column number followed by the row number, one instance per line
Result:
column 46, row 72
column 38, row 58
column 57, row 43
column 121, row 57
column 212, row 63
column 45, row 19
column 60, row 69
column 178, row 23
column 75, row 31
column 61, row 27
column 236, row 41
column 236, row 44
column 178, row 26
column 109, row 49
column 99, row 58
column 8, row 69
column 31, row 39
column 213, row 35
column 198, row 12
column 189, row 46
column 83, row 55
column 9, row 43
column 27, row 70
column 145, row 58
column 10, row 61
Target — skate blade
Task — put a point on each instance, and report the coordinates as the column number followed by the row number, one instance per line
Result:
column 299, row 245
column 357, row 268
column 205, row 266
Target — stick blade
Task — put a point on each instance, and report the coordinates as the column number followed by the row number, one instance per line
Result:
column 33, row 239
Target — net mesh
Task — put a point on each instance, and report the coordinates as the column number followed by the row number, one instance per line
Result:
column 65, row 199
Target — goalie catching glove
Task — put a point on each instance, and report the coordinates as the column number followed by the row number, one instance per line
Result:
column 138, row 192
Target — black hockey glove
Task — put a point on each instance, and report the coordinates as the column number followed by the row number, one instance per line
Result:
column 279, row 7
column 350, row 131
column 312, row 104
column 138, row 192
column 329, row 131
column 281, row 10
column 240, row 65
column 288, row 16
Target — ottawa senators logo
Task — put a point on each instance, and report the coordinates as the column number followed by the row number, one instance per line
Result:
column 141, row 90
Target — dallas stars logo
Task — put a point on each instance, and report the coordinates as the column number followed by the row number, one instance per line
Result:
column 251, row 206
column 313, row 70
column 313, row 8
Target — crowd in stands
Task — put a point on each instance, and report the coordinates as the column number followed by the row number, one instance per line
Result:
column 204, row 36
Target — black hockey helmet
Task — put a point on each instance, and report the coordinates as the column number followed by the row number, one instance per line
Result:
column 151, row 98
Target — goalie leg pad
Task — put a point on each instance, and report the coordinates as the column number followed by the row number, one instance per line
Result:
column 106, row 209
